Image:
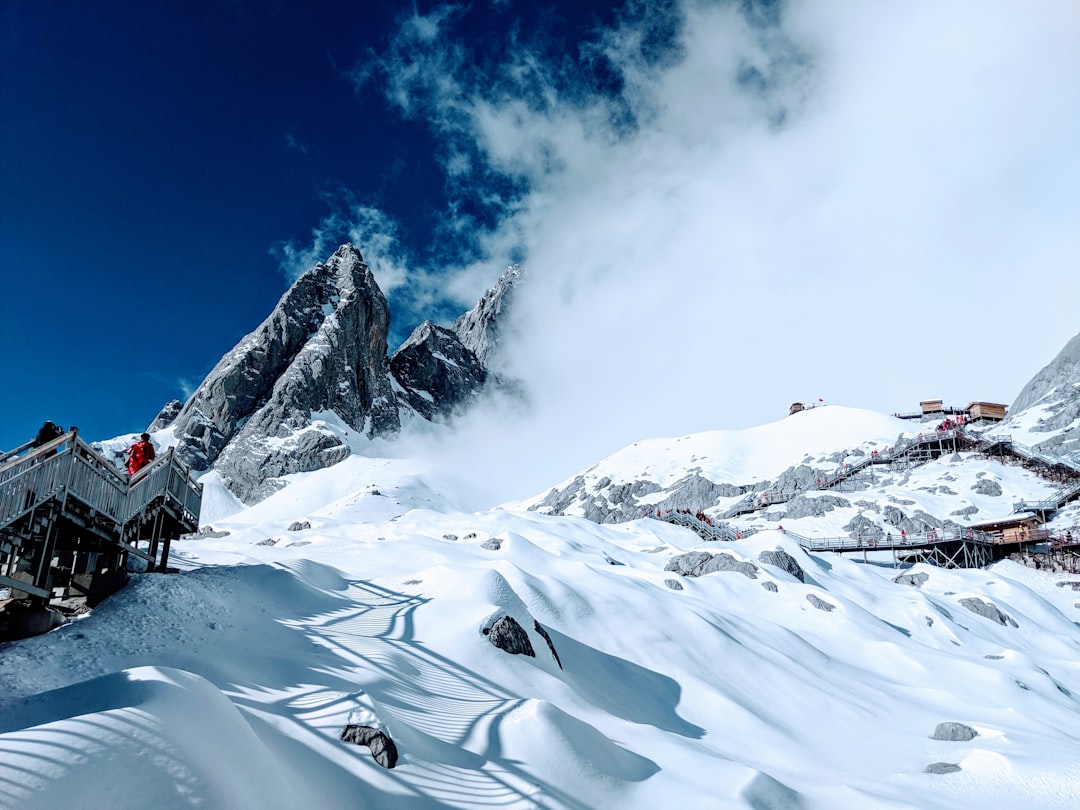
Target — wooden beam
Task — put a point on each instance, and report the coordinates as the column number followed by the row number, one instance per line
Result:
column 25, row 587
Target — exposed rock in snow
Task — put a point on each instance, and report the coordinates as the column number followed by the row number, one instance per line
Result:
column 820, row 603
column 383, row 749
column 509, row 636
column 954, row 732
column 986, row 486
column 699, row 563
column 987, row 610
column 813, row 505
column 862, row 525
column 914, row 580
column 943, row 767
column 551, row 645
column 784, row 561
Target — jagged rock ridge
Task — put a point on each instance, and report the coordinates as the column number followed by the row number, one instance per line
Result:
column 315, row 376
column 322, row 349
column 480, row 329
column 435, row 372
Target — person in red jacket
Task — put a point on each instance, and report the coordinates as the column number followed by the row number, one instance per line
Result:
column 140, row 454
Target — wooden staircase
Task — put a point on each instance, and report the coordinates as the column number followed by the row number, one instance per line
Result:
column 69, row 520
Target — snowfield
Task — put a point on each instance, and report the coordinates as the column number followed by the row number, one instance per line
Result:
column 229, row 684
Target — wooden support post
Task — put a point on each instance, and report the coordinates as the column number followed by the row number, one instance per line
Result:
column 155, row 535
column 41, row 578
column 163, row 566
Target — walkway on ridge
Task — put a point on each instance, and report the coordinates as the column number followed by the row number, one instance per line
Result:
column 929, row 446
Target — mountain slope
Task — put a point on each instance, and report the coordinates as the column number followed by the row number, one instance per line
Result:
column 1046, row 413
column 835, row 686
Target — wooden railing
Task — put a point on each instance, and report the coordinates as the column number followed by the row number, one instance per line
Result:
column 67, row 467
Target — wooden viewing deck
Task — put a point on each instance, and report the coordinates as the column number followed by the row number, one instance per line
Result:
column 69, row 519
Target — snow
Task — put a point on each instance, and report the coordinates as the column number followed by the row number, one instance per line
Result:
column 755, row 454
column 228, row 684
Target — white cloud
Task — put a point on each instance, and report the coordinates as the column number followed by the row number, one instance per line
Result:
column 871, row 202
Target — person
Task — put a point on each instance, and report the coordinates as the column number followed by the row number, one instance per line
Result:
column 140, row 454
column 47, row 433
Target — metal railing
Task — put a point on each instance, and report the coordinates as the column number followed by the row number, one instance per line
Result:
column 707, row 529
column 859, row 542
column 67, row 467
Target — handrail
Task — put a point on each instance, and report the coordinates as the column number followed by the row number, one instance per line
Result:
column 69, row 465
column 754, row 501
column 890, row 541
column 5, row 456
column 707, row 529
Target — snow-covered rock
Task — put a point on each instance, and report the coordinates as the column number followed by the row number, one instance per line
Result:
column 1046, row 412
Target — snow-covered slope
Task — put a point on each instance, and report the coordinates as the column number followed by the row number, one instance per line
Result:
column 361, row 591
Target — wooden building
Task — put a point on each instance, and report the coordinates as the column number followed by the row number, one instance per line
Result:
column 990, row 411
column 795, row 408
column 1019, row 528
column 931, row 406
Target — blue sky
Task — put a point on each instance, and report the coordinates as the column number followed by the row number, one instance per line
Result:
column 158, row 155
column 722, row 207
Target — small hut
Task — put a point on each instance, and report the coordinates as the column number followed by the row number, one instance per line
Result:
column 989, row 411
column 1022, row 527
column 932, row 407
column 795, row 408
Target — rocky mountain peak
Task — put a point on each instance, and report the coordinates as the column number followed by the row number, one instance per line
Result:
column 1047, row 410
column 436, row 372
column 299, row 392
column 321, row 350
column 479, row 329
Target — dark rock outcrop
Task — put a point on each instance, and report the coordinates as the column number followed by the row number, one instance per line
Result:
column 699, row 563
column 383, row 749
column 436, row 372
column 820, row 603
column 986, row 486
column 509, row 636
column 988, row 610
column 781, row 559
column 943, row 767
column 551, row 645
column 916, row 580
